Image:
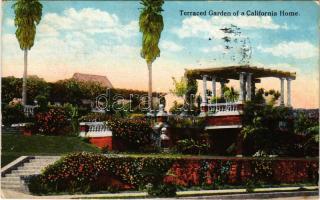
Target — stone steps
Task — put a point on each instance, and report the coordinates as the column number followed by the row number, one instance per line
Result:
column 25, row 171
column 14, row 179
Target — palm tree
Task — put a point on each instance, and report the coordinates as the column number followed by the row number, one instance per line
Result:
column 151, row 26
column 27, row 15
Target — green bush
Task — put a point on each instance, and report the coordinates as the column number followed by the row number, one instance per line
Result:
column 162, row 190
column 42, row 102
column 12, row 114
column 133, row 133
column 190, row 146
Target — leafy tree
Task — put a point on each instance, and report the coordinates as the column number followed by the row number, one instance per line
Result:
column 185, row 88
column 36, row 86
column 230, row 93
column 302, row 123
column 262, row 130
column 12, row 87
column 67, row 91
column 180, row 87
column 151, row 26
column 27, row 15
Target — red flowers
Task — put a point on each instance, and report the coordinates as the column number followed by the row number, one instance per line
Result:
column 52, row 122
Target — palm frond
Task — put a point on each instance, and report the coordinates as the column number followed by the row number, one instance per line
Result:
column 27, row 15
column 151, row 26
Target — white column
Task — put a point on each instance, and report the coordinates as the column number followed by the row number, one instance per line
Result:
column 222, row 84
column 282, row 92
column 204, row 92
column 214, row 91
column 249, row 82
column 241, row 78
column 288, row 92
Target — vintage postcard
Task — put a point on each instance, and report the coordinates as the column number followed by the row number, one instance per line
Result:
column 159, row 98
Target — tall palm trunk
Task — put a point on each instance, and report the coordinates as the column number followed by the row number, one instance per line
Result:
column 24, row 81
column 150, row 86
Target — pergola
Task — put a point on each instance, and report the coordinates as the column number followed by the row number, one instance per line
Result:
column 247, row 76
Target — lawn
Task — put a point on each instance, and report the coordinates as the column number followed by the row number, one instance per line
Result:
column 14, row 145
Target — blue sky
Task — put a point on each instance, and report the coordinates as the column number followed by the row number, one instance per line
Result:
column 102, row 37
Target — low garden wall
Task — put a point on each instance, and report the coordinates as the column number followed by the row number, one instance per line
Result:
column 86, row 172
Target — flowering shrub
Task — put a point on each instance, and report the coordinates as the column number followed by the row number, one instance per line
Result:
column 133, row 133
column 81, row 172
column 86, row 172
column 52, row 122
column 262, row 169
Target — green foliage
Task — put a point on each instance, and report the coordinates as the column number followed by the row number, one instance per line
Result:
column 230, row 94
column 176, row 108
column 67, row 91
column 133, row 133
column 190, row 146
column 180, row 87
column 311, row 144
column 12, row 114
column 162, row 190
column 42, row 102
column 27, row 15
column 151, row 26
column 262, row 130
column 11, row 88
column 73, row 114
column 261, row 97
column 302, row 123
column 184, row 88
column 250, row 185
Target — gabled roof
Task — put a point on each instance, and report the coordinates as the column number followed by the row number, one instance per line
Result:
column 232, row 72
column 103, row 80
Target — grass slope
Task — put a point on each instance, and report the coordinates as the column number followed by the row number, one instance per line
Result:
column 14, row 146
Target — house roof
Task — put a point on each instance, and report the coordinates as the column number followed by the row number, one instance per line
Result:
column 232, row 72
column 103, row 80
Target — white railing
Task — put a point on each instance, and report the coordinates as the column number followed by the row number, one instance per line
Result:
column 29, row 110
column 94, row 129
column 228, row 107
